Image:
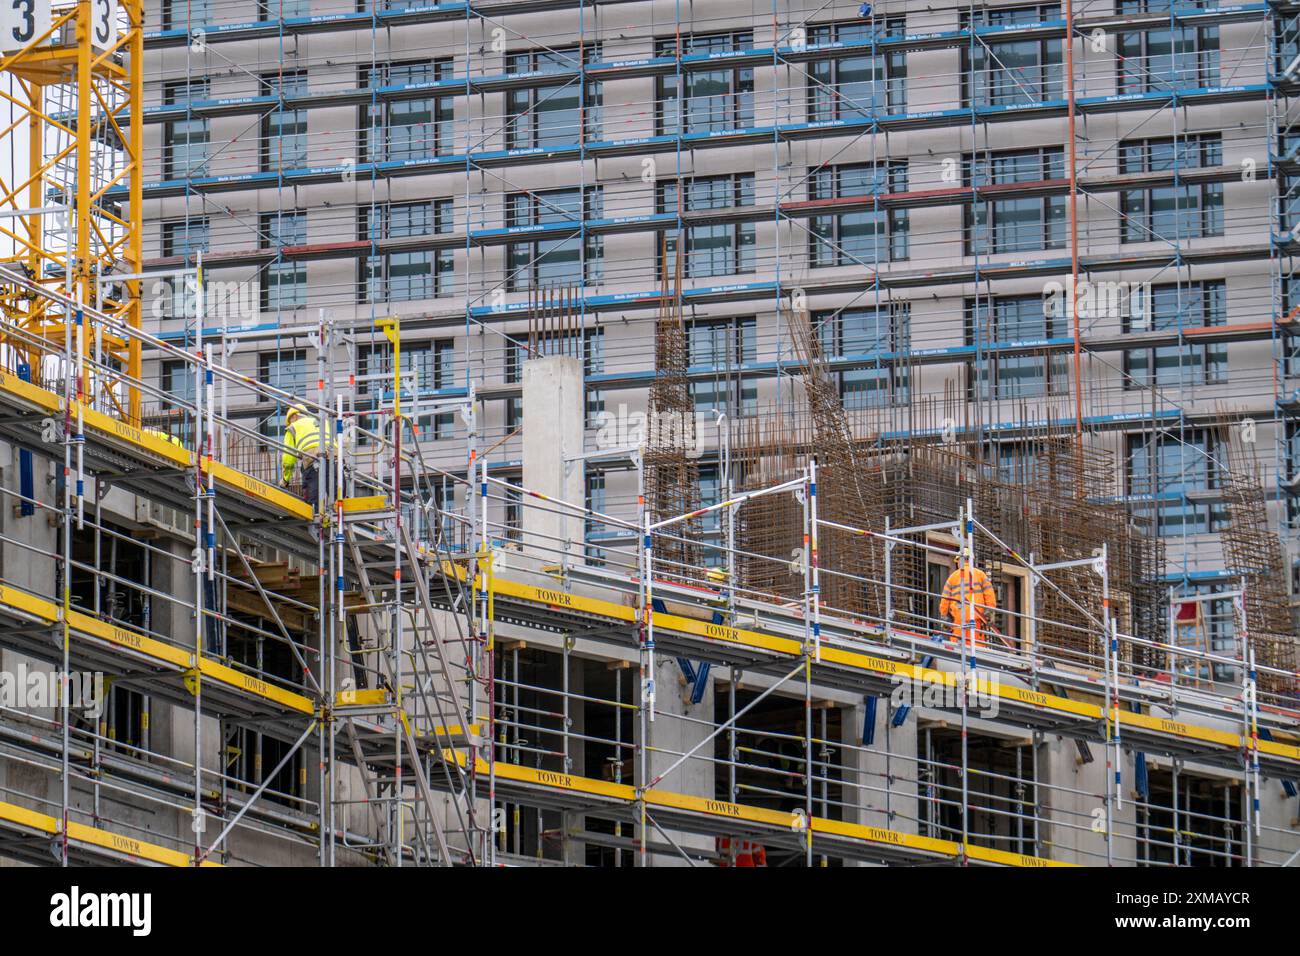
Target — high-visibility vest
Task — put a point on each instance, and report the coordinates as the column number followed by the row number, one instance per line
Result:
column 303, row 434
column 747, row 853
column 166, row 436
column 968, row 596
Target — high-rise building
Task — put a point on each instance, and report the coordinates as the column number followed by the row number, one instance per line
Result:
column 979, row 240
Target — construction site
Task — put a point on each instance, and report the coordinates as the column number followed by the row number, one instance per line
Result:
column 646, row 433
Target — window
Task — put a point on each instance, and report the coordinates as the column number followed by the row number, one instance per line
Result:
column 1167, row 468
column 427, row 367
column 177, row 380
column 712, row 249
column 1183, row 211
column 720, row 347
column 557, row 112
column 716, row 98
column 1198, row 808
column 1291, row 480
column 594, row 527
column 284, row 130
column 1024, row 224
column 185, row 237
column 1018, row 462
column 594, row 364
column 867, row 336
column 858, row 86
column 1290, row 338
column 396, row 126
column 287, row 371
column 1286, row 40
column 592, row 350
column 285, row 285
column 711, row 524
column 128, row 718
column 185, row 141
column 252, row 755
column 867, row 235
column 1288, row 199
column 1002, row 321
column 1168, row 57
column 1208, row 625
column 561, row 259
column 283, row 9
column 186, row 14
column 1194, row 305
column 1011, row 72
column 514, row 514
column 397, row 270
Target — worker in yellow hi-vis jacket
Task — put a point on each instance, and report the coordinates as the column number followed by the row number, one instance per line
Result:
column 968, row 597
column 303, row 438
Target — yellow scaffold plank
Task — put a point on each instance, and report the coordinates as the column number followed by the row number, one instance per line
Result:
column 153, row 442
column 259, row 489
column 717, row 808
column 1178, row 728
column 367, row 503
column 1052, row 703
column 885, row 837
column 157, row 445
column 175, row 657
column 625, row 793
column 215, row 670
column 1007, row 858
column 361, row 698
column 984, row 686
column 124, row 637
column 724, row 632
column 558, row 781
column 86, row 835
column 30, row 393
column 453, row 731
column 1288, row 751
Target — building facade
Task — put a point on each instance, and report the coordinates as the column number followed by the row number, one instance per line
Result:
column 1003, row 222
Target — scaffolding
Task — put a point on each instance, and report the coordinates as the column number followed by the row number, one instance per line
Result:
column 479, row 691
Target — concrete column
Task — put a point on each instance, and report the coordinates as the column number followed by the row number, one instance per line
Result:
column 1076, row 828
column 674, row 737
column 890, row 764
column 854, row 761
column 554, row 409
column 575, row 849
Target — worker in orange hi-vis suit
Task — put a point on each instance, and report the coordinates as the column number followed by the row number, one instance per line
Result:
column 968, row 597
column 747, row 853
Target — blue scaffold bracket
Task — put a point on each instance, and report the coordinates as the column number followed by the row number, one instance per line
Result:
column 698, row 678
column 1288, row 785
column 701, row 682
